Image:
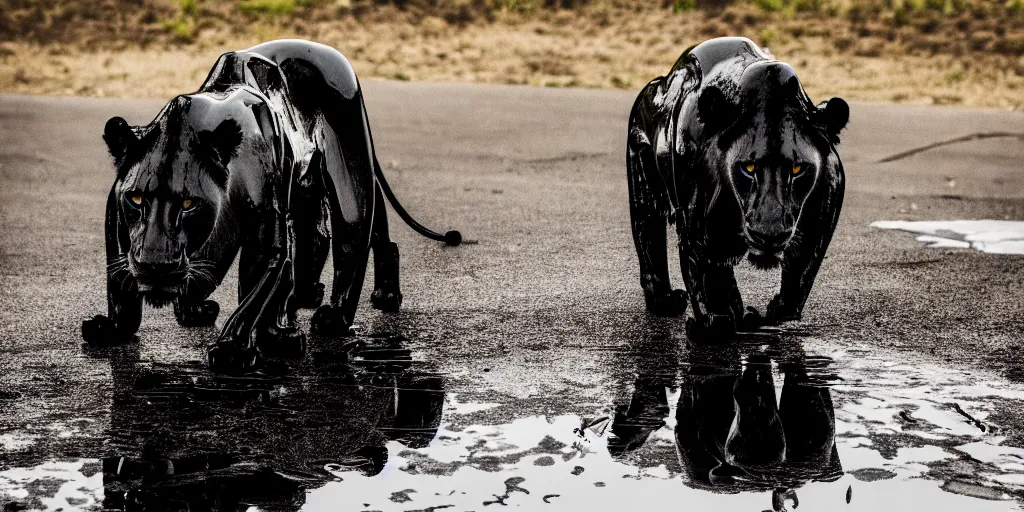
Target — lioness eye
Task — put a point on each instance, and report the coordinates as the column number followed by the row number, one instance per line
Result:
column 135, row 198
column 188, row 204
column 796, row 170
column 750, row 169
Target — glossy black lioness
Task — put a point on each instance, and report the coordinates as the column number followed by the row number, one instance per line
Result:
column 273, row 157
column 730, row 148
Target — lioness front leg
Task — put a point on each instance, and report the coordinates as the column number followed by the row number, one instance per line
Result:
column 124, row 304
column 238, row 347
column 124, row 315
column 724, row 295
column 714, row 296
column 264, row 323
column 647, row 206
column 799, row 269
column 195, row 313
column 193, row 308
column 803, row 257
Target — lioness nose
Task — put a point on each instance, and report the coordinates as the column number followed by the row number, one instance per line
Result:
column 770, row 239
column 158, row 268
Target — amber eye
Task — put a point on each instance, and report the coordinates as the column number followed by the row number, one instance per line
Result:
column 135, row 198
column 796, row 170
column 188, row 204
column 750, row 168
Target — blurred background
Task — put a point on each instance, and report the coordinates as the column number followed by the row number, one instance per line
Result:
column 947, row 52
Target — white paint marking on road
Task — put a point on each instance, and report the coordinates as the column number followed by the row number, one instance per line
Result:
column 991, row 236
column 938, row 242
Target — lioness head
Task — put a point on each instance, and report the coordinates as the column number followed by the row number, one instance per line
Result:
column 171, row 178
column 772, row 146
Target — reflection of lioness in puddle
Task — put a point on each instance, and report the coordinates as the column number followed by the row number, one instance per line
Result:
column 182, row 440
column 730, row 148
column 731, row 434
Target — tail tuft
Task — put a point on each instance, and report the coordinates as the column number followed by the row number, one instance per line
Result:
column 451, row 238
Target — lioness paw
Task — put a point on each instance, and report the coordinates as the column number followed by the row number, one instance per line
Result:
column 286, row 342
column 716, row 328
column 779, row 311
column 310, row 298
column 100, row 331
column 670, row 303
column 386, row 301
column 231, row 358
column 196, row 314
column 752, row 320
column 331, row 321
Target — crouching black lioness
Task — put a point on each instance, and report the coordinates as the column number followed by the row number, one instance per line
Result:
column 271, row 146
column 730, row 148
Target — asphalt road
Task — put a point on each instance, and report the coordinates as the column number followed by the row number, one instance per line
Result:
column 543, row 316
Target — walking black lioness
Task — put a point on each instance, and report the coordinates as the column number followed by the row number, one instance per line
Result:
column 271, row 146
column 730, row 148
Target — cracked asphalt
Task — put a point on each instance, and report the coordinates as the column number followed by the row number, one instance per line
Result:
column 541, row 317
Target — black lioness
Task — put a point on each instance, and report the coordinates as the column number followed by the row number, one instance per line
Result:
column 273, row 144
column 730, row 148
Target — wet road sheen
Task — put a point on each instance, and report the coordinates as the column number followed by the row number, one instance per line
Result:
column 372, row 423
column 522, row 370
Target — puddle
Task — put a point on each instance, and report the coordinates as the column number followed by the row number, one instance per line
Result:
column 754, row 427
column 992, row 236
column 54, row 485
column 850, row 432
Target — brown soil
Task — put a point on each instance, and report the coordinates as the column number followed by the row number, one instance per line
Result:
column 972, row 55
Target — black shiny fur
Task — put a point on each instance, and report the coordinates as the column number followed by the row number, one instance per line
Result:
column 727, row 105
column 272, row 157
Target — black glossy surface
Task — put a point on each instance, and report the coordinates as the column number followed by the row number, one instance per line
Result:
column 271, row 157
column 729, row 148
column 731, row 433
column 181, row 439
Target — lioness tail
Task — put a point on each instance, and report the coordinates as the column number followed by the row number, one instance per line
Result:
column 452, row 238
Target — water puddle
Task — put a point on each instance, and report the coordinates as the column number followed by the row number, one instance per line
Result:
column 758, row 426
column 992, row 236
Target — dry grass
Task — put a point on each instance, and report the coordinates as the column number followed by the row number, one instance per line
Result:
column 972, row 54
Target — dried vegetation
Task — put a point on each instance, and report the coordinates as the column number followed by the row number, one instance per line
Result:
column 968, row 52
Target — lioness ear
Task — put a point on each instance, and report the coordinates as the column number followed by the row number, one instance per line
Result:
column 835, row 113
column 713, row 109
column 222, row 143
column 119, row 138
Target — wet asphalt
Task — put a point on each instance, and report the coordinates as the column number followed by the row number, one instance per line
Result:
column 523, row 369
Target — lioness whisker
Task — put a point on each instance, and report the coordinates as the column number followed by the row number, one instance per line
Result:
column 118, row 263
column 125, row 280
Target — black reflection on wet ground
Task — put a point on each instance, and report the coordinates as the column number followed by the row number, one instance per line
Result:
column 181, row 438
column 731, row 432
column 751, row 418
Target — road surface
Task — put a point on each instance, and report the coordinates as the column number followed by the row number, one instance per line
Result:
column 522, row 369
